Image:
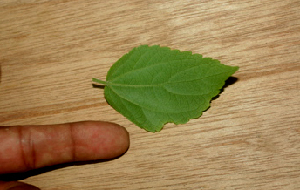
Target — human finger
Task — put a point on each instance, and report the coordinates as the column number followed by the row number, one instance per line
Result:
column 24, row 148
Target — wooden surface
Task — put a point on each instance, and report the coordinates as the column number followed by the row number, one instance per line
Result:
column 248, row 139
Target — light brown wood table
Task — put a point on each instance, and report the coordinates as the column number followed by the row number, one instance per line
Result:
column 248, row 139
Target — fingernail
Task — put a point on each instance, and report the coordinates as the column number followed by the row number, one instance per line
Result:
column 24, row 187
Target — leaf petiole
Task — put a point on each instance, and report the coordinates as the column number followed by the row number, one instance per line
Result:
column 99, row 81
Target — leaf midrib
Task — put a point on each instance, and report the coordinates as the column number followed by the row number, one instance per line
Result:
column 157, row 85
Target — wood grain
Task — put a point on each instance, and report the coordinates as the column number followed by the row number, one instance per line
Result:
column 248, row 139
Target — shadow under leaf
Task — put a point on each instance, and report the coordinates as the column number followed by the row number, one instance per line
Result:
column 229, row 81
column 98, row 86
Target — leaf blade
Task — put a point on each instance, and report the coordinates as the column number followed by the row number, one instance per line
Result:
column 152, row 86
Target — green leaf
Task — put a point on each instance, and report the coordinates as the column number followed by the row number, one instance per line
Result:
column 152, row 86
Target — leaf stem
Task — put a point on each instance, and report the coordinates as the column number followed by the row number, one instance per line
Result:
column 99, row 81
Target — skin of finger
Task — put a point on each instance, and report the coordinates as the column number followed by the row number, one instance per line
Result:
column 24, row 148
column 14, row 185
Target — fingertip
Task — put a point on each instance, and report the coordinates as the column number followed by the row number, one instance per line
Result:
column 99, row 140
column 118, row 139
